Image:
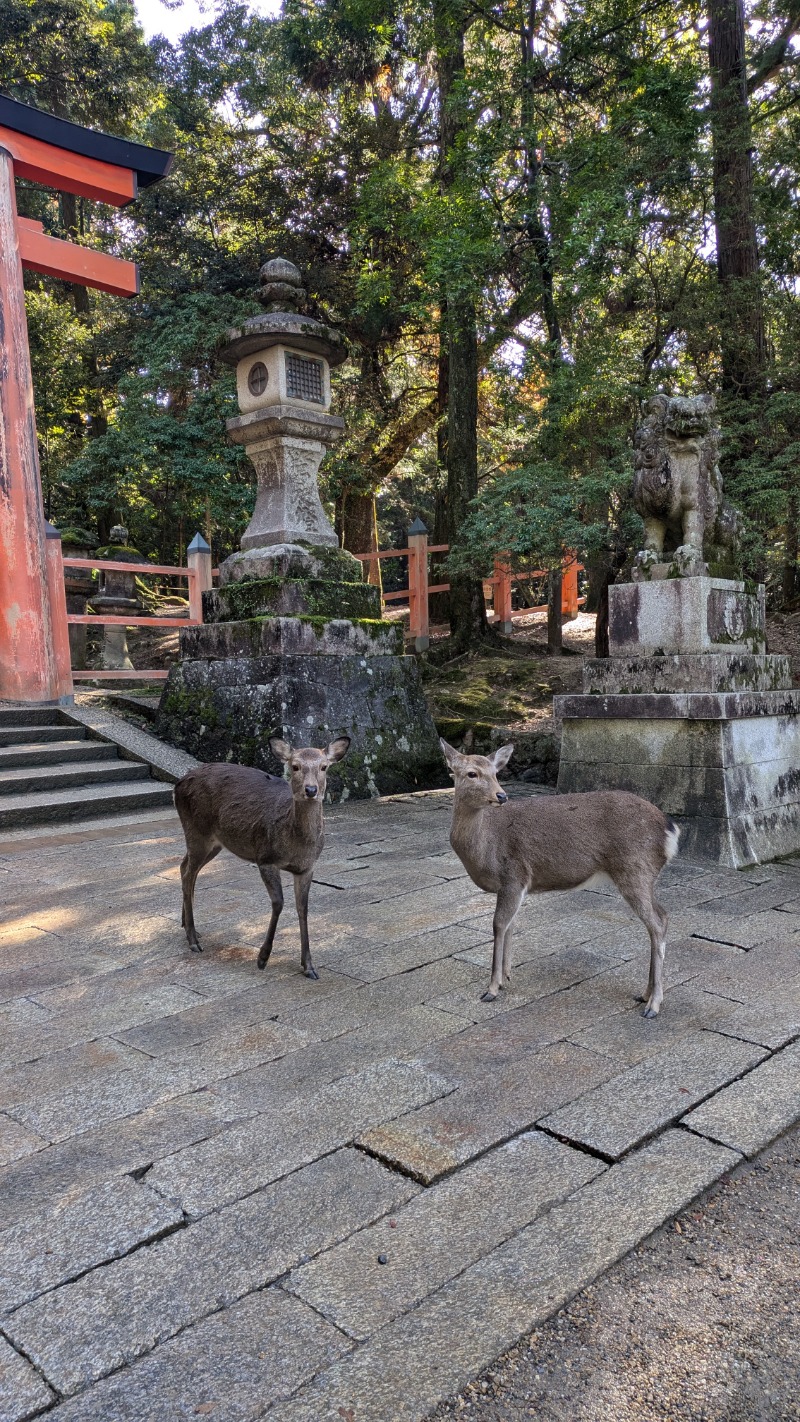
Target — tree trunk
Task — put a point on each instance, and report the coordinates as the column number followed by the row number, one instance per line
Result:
column 359, row 530
column 468, row 622
column 555, row 639
column 744, row 345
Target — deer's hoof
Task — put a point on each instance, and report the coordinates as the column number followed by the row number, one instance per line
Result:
column 195, row 947
column 489, row 997
column 650, row 1012
column 312, row 973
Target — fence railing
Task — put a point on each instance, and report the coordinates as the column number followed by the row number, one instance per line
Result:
column 420, row 589
column 199, row 576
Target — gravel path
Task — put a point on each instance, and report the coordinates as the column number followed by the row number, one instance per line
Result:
column 700, row 1324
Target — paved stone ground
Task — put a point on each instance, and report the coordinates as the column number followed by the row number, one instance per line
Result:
column 233, row 1194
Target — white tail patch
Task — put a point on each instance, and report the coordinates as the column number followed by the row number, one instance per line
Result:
column 671, row 837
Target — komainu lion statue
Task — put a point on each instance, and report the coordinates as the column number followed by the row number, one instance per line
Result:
column 677, row 489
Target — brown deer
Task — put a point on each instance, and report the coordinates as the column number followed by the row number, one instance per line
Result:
column 261, row 818
column 536, row 845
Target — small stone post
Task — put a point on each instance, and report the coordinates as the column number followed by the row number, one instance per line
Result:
column 418, row 585
column 116, row 596
column 198, row 560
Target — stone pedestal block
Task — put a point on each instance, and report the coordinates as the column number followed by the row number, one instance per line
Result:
column 226, row 708
column 685, row 615
column 715, row 671
column 726, row 766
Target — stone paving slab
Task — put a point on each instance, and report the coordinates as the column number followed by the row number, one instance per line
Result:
column 243, row 1159
column 431, row 1352
column 402, row 1036
column 435, row 1139
column 750, row 1113
column 78, row 1233
column 22, row 1392
column 59, row 1070
column 439, row 1233
column 16, row 1140
column 68, row 1029
column 60, row 1115
column 34, row 1184
column 365, row 1002
column 115, row 1314
column 627, row 1036
column 241, row 1360
column 773, row 1020
column 625, row 1110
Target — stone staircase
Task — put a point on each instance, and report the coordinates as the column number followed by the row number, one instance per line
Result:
column 52, row 771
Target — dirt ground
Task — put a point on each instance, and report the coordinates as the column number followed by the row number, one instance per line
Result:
column 700, row 1324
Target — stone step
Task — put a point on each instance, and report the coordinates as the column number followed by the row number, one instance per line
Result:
column 32, row 716
column 53, row 753
column 20, row 733
column 58, row 806
column 26, row 780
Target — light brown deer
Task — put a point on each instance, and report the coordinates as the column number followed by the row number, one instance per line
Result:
column 535, row 845
column 261, row 818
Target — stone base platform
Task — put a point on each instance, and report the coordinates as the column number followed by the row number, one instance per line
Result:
column 226, row 707
column 726, row 766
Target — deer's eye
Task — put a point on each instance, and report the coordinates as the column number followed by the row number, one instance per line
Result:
column 323, row 767
column 472, row 774
column 295, row 767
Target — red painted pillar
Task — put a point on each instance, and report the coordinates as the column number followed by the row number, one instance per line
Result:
column 30, row 637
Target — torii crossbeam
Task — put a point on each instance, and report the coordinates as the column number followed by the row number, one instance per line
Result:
column 34, row 643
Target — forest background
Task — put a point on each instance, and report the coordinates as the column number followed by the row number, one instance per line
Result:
column 525, row 217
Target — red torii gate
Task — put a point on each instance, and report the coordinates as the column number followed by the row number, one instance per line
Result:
column 34, row 642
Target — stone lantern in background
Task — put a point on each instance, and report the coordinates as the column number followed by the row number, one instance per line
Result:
column 293, row 642
column 283, row 361
column 117, row 596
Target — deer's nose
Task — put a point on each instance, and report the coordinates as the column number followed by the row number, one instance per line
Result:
column 311, row 791
column 502, row 796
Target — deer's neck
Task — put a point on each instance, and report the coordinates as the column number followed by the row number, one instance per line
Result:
column 473, row 836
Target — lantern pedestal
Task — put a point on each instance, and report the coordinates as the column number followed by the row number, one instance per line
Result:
column 293, row 642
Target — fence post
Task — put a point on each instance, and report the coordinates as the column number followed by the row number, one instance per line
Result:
column 502, row 594
column 418, row 585
column 198, row 561
column 569, row 588
column 59, row 627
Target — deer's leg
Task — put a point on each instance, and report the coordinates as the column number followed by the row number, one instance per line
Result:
column 272, row 883
column 509, row 902
column 655, row 920
column 196, row 857
column 302, row 886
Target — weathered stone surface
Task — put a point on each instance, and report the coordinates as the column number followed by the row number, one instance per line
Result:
column 79, row 1232
column 17, row 1141
column 400, row 1036
column 242, row 1360
column 30, row 1186
column 362, row 958
column 724, row 765
column 617, row 1115
column 291, row 560
column 628, row 1036
column 22, row 1391
column 215, row 709
column 750, row 1113
column 410, row 1365
column 386, row 998
column 440, row 1233
column 435, row 1139
column 87, row 1329
column 174, row 1032
column 253, row 1153
column 60, row 1070
column 711, row 671
column 94, row 1102
column 773, row 1021
column 293, row 637
column 277, row 597
column 684, row 615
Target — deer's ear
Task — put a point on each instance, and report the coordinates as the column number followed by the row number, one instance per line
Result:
column 280, row 748
column 338, row 748
column 452, row 756
column 501, row 757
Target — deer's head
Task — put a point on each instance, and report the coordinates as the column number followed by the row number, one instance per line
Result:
column 308, row 768
column 475, row 776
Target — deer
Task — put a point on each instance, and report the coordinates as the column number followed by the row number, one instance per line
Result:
column 537, row 845
column 267, row 820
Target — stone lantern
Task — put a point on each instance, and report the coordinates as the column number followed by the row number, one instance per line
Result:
column 117, row 596
column 283, row 361
column 293, row 642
